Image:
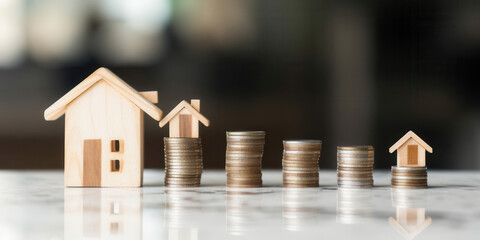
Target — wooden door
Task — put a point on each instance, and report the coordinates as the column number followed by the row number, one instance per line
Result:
column 412, row 155
column 92, row 163
column 185, row 125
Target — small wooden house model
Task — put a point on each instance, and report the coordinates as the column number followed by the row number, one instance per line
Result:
column 104, row 131
column 410, row 150
column 184, row 120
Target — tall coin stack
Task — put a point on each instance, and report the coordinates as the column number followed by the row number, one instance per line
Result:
column 409, row 177
column 300, row 163
column 355, row 166
column 243, row 160
column 183, row 162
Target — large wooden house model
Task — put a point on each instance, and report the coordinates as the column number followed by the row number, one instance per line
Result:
column 104, row 131
column 410, row 150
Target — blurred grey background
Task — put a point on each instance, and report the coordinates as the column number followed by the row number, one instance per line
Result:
column 345, row 72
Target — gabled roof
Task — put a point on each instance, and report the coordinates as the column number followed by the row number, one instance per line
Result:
column 405, row 138
column 410, row 234
column 57, row 109
column 183, row 104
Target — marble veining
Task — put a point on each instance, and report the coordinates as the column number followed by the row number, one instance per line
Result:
column 35, row 205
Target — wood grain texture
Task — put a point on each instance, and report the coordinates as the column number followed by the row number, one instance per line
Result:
column 103, row 113
column 179, row 127
column 171, row 115
column 402, row 154
column 174, row 127
column 412, row 154
column 185, row 125
column 405, row 150
column 57, row 109
column 183, row 104
column 195, row 103
column 151, row 96
column 92, row 163
column 407, row 136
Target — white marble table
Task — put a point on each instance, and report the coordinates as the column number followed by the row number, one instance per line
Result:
column 35, row 205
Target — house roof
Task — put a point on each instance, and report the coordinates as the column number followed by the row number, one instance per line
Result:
column 405, row 138
column 184, row 104
column 57, row 109
column 409, row 234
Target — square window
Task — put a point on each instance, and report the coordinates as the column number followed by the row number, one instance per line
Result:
column 115, row 145
column 115, row 165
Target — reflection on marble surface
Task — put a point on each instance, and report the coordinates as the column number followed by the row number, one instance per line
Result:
column 182, row 213
column 354, row 205
column 300, row 208
column 242, row 208
column 35, row 205
column 410, row 219
column 103, row 213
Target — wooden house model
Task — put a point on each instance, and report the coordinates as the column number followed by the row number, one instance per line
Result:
column 104, row 131
column 184, row 120
column 410, row 150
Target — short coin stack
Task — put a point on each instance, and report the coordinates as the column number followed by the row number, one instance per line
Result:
column 300, row 163
column 355, row 166
column 409, row 177
column 243, row 160
column 183, row 162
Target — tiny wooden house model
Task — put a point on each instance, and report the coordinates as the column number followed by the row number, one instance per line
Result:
column 184, row 120
column 410, row 150
column 104, row 131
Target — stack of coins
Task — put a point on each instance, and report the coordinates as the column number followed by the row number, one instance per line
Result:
column 355, row 166
column 183, row 162
column 244, row 159
column 409, row 177
column 300, row 163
